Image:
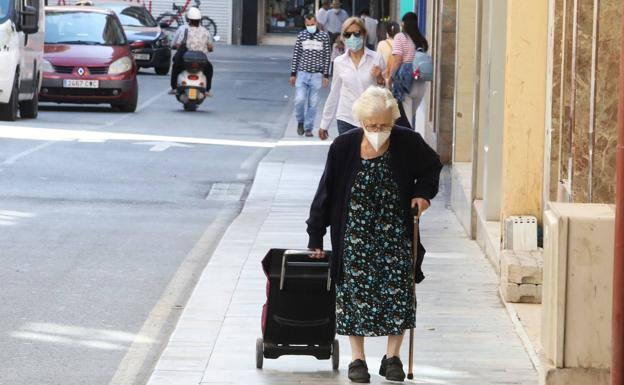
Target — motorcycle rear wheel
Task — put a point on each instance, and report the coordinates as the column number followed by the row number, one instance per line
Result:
column 190, row 106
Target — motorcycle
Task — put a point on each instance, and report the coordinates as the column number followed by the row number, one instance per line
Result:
column 191, row 84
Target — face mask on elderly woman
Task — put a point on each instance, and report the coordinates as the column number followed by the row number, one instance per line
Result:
column 376, row 139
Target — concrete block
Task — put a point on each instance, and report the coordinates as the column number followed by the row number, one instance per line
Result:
column 552, row 375
column 521, row 293
column 522, row 267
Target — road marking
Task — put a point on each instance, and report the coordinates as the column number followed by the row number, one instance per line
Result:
column 22, row 154
column 139, row 108
column 226, row 192
column 162, row 146
column 35, row 133
column 151, row 100
column 138, row 363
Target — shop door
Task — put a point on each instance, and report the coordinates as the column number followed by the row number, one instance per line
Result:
column 250, row 23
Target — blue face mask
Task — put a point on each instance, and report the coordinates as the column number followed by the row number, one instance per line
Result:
column 354, row 43
column 311, row 28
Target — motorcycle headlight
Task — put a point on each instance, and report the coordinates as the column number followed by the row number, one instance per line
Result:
column 46, row 66
column 120, row 66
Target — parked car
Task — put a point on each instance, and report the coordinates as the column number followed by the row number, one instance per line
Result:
column 21, row 51
column 87, row 59
column 149, row 43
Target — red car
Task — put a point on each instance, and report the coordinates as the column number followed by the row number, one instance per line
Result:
column 87, row 59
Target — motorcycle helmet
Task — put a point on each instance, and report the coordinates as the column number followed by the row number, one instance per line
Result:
column 193, row 14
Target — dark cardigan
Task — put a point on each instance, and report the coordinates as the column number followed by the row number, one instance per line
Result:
column 416, row 169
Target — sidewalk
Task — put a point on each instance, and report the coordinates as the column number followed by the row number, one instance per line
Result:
column 464, row 334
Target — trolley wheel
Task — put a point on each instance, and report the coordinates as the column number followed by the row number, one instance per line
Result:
column 410, row 376
column 259, row 353
column 335, row 355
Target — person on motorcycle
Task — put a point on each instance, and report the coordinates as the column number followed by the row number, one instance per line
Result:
column 191, row 37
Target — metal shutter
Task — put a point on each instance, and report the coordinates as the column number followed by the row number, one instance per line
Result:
column 218, row 10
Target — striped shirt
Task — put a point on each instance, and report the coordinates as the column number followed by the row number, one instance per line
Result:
column 405, row 47
column 311, row 54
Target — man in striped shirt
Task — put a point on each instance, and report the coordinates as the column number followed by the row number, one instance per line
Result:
column 309, row 71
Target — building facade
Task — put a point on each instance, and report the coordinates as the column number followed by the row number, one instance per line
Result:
column 523, row 108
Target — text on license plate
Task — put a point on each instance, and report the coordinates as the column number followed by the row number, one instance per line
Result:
column 74, row 83
column 192, row 93
column 141, row 56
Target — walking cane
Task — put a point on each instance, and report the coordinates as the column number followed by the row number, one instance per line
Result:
column 410, row 371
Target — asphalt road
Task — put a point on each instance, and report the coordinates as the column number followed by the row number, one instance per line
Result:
column 103, row 234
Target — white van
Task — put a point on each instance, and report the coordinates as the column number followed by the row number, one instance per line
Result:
column 21, row 56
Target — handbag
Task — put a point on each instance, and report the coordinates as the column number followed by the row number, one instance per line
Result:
column 422, row 66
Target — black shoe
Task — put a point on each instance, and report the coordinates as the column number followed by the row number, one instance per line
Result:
column 309, row 134
column 358, row 372
column 300, row 129
column 392, row 369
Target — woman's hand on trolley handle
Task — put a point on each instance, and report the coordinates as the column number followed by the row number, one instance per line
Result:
column 420, row 203
column 317, row 254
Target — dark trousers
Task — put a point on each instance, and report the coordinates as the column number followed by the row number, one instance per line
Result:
column 178, row 66
column 344, row 126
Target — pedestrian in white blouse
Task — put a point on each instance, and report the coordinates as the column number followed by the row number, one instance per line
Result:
column 354, row 71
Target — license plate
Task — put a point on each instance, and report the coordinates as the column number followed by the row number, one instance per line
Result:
column 141, row 56
column 192, row 93
column 74, row 83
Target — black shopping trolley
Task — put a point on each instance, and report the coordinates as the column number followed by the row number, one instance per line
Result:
column 299, row 316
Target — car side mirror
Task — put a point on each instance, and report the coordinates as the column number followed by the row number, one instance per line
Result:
column 163, row 25
column 30, row 20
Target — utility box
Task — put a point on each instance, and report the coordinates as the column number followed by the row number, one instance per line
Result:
column 577, row 293
column 520, row 233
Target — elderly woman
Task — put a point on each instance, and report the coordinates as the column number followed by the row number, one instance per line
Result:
column 373, row 178
column 354, row 71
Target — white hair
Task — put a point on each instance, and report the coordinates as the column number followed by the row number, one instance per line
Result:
column 373, row 102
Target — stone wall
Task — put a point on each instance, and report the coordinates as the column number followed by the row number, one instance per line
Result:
column 586, row 52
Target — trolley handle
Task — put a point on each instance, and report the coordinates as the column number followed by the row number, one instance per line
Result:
column 286, row 263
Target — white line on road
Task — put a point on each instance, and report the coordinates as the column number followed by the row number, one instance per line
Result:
column 22, row 154
column 162, row 146
column 35, row 133
column 140, row 108
column 151, row 100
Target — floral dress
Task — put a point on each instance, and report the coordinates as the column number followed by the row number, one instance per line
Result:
column 376, row 295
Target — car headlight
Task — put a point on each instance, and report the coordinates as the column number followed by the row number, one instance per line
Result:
column 120, row 66
column 46, row 66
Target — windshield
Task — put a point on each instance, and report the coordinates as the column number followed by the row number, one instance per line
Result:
column 134, row 16
column 89, row 28
column 4, row 9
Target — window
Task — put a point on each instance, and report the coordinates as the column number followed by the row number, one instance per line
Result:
column 134, row 16
column 88, row 28
column 5, row 6
column 288, row 15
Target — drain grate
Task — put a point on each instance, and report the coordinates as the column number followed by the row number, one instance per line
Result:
column 226, row 192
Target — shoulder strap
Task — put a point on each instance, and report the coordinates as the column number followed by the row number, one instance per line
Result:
column 185, row 35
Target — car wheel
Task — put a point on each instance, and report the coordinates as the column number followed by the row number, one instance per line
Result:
column 29, row 109
column 162, row 70
column 130, row 104
column 8, row 111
